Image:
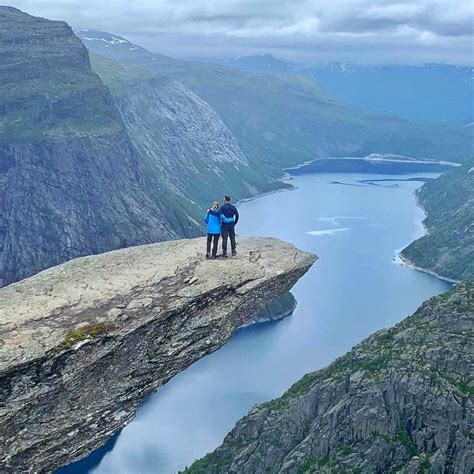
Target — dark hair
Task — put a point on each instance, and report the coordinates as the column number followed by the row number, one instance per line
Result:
column 227, row 198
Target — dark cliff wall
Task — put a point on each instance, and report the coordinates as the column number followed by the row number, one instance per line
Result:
column 71, row 182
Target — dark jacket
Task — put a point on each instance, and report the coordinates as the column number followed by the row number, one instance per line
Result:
column 228, row 210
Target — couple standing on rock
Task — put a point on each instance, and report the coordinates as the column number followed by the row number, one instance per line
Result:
column 221, row 221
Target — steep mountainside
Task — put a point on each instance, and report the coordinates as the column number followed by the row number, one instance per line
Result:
column 448, row 247
column 178, row 135
column 85, row 342
column 284, row 120
column 71, row 182
column 401, row 401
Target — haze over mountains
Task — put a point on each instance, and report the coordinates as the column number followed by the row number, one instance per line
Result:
column 427, row 92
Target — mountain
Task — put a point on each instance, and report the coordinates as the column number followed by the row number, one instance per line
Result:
column 71, row 182
column 447, row 248
column 282, row 121
column 429, row 92
column 400, row 401
column 261, row 63
column 136, row 160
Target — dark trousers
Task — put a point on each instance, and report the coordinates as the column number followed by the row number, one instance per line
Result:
column 214, row 239
column 228, row 233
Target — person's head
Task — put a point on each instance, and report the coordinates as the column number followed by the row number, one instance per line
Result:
column 215, row 205
column 226, row 198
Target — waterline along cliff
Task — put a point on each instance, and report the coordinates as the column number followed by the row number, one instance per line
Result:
column 86, row 341
column 400, row 401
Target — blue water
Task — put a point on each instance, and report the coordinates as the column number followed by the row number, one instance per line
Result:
column 355, row 223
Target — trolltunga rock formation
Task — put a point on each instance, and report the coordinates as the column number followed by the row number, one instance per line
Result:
column 83, row 343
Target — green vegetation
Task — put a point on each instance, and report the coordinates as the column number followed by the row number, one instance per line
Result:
column 182, row 144
column 448, row 247
column 85, row 332
column 45, row 97
column 403, row 437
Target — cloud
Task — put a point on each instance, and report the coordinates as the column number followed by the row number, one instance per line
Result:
column 300, row 30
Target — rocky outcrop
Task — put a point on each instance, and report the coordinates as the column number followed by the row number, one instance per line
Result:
column 71, row 182
column 401, row 401
column 85, row 342
column 282, row 307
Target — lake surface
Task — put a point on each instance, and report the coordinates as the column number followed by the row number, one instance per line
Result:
column 356, row 223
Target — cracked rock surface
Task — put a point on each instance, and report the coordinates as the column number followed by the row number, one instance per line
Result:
column 83, row 343
column 400, row 401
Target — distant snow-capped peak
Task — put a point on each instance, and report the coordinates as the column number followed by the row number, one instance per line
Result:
column 106, row 38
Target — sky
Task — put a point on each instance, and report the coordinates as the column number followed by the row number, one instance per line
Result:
column 302, row 31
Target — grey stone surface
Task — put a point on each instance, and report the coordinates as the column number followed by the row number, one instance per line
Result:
column 83, row 343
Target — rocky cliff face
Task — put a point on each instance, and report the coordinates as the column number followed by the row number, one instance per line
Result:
column 178, row 134
column 71, row 183
column 401, row 401
column 85, row 342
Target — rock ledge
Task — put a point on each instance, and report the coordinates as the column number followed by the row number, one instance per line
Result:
column 85, row 342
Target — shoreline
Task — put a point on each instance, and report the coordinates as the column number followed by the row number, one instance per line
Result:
column 377, row 158
column 405, row 262
column 374, row 158
column 285, row 179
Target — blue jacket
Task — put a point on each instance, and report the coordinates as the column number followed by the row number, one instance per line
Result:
column 214, row 222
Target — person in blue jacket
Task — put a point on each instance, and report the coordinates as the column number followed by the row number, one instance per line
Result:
column 214, row 227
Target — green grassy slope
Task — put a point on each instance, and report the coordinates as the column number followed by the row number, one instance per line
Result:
column 46, row 88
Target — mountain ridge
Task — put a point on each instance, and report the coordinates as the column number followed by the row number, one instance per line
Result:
column 447, row 247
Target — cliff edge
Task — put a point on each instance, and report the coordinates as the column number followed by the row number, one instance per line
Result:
column 83, row 343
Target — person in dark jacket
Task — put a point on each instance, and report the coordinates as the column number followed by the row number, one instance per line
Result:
column 214, row 223
column 231, row 217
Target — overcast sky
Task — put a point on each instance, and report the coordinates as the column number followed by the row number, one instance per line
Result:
column 376, row 31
